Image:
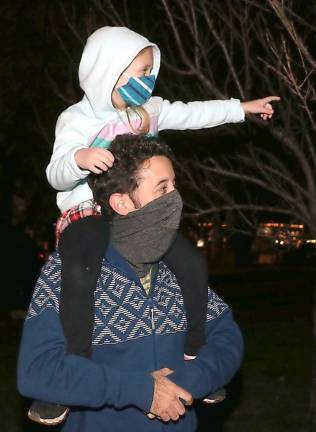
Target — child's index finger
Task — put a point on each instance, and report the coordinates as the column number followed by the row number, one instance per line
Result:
column 271, row 98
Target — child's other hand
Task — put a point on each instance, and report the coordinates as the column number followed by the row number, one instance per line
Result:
column 260, row 106
column 95, row 160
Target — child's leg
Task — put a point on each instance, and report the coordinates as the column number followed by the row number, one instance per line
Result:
column 82, row 247
column 190, row 268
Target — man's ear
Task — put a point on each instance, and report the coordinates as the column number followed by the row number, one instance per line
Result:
column 120, row 203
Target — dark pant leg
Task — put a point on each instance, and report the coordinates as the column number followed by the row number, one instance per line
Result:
column 82, row 247
column 190, row 268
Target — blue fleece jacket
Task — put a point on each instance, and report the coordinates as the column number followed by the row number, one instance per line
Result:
column 134, row 334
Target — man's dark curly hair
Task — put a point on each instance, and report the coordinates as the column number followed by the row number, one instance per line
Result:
column 130, row 152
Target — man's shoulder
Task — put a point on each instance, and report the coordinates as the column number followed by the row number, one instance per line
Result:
column 216, row 306
column 52, row 267
column 47, row 289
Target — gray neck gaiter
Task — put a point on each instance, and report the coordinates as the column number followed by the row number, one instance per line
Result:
column 143, row 236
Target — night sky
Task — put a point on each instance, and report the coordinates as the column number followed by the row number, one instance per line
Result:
column 42, row 44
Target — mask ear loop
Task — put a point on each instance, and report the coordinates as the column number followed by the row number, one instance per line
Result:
column 123, row 120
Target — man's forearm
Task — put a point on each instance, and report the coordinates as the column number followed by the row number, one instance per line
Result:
column 45, row 372
column 216, row 362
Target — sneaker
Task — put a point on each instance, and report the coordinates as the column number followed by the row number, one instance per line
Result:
column 47, row 413
column 216, row 397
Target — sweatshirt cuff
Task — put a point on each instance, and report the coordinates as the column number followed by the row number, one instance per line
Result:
column 237, row 111
column 75, row 170
column 136, row 389
column 190, row 377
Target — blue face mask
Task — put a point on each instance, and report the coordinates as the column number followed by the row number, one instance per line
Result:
column 137, row 90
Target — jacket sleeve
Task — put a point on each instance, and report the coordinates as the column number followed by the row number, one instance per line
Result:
column 199, row 115
column 218, row 360
column 46, row 372
column 62, row 171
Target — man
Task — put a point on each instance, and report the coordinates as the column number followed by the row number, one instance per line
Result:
column 137, row 366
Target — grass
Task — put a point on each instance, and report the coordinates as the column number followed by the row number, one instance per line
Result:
column 271, row 392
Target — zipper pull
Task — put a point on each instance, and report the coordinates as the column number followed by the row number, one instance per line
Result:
column 152, row 319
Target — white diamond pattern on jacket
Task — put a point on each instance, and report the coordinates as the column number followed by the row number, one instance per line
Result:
column 47, row 289
column 122, row 309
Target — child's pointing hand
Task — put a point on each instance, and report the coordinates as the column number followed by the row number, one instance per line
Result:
column 260, row 106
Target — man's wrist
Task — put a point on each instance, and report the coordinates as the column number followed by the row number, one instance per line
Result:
column 136, row 388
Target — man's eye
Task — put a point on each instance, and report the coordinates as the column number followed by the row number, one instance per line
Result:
column 164, row 189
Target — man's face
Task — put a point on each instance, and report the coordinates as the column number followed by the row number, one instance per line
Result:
column 155, row 178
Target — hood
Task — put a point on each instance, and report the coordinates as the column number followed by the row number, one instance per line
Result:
column 108, row 52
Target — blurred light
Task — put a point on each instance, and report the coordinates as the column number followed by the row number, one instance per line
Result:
column 200, row 243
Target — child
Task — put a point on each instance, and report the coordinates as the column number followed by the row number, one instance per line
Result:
column 117, row 73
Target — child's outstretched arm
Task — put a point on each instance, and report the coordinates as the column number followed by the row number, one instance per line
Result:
column 200, row 115
column 72, row 159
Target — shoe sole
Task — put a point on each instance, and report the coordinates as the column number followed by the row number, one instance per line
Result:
column 35, row 417
column 213, row 401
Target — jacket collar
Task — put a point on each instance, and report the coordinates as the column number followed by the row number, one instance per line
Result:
column 115, row 259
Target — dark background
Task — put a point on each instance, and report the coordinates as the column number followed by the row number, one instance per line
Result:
column 41, row 46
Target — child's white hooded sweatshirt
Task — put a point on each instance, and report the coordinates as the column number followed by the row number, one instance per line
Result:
column 108, row 52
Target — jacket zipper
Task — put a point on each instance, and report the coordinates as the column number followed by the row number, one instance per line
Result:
column 152, row 314
column 152, row 319
column 153, row 328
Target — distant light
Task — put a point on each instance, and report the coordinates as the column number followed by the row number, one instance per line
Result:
column 276, row 241
column 311, row 241
column 281, row 242
column 200, row 243
column 281, row 225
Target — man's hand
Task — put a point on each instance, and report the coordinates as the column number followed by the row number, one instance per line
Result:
column 156, row 374
column 95, row 159
column 260, row 106
column 166, row 401
column 162, row 372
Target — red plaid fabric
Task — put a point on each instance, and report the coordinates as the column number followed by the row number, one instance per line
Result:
column 82, row 210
